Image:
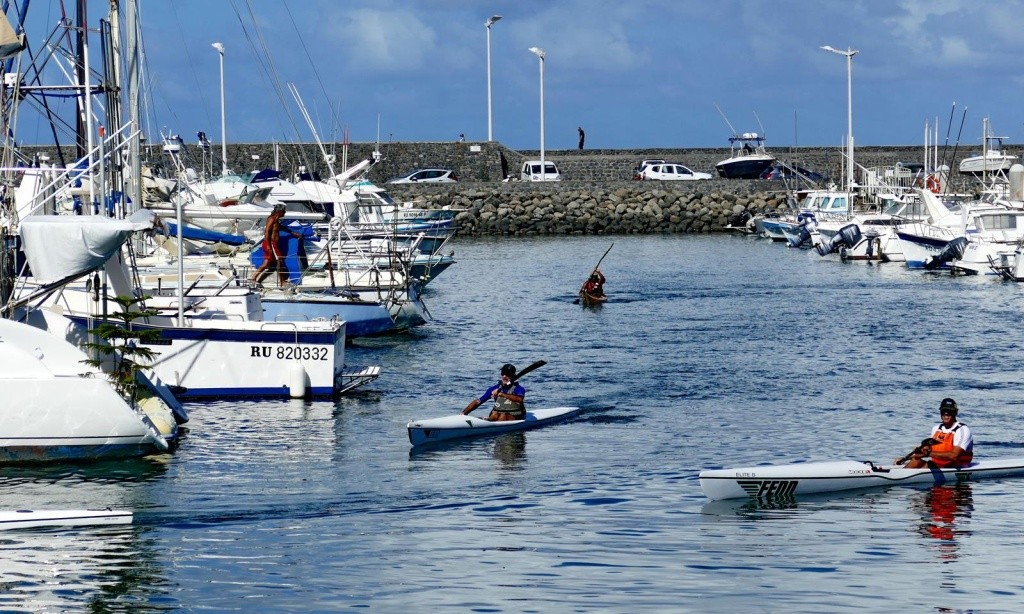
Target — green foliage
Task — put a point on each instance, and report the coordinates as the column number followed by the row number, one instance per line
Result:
column 119, row 344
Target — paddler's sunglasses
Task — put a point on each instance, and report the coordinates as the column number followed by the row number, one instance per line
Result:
column 946, row 412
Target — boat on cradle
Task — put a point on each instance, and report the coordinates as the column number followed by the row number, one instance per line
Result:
column 460, row 426
column 747, row 157
column 991, row 160
column 785, row 481
column 29, row 519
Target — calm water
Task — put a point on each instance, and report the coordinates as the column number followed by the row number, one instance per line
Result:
column 714, row 351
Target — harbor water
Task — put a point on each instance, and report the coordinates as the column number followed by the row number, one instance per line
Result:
column 713, row 351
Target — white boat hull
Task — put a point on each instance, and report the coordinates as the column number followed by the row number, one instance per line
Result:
column 27, row 519
column 460, row 426
column 781, row 481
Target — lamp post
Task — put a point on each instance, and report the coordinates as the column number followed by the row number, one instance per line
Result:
column 223, row 120
column 487, row 24
column 537, row 51
column 849, row 53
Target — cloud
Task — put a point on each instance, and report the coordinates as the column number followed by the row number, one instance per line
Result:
column 388, row 40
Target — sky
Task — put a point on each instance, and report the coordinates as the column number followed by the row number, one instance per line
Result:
column 637, row 74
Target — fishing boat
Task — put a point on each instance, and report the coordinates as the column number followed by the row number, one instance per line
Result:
column 27, row 519
column 783, row 481
column 460, row 426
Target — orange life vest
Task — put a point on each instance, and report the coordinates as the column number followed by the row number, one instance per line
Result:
column 945, row 439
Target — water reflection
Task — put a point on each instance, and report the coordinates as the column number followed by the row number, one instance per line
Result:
column 944, row 511
column 510, row 450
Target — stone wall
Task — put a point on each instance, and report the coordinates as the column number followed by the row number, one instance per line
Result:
column 596, row 196
column 619, row 208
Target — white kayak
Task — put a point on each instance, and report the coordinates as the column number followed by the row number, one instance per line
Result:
column 459, row 426
column 780, row 481
column 26, row 519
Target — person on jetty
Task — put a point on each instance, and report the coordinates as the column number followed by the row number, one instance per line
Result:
column 583, row 136
column 508, row 396
column 951, row 443
column 594, row 286
column 272, row 255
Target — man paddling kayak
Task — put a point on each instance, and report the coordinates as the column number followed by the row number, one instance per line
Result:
column 951, row 443
column 508, row 396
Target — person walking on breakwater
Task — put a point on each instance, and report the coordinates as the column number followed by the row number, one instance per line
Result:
column 508, row 396
column 272, row 255
column 951, row 443
column 583, row 136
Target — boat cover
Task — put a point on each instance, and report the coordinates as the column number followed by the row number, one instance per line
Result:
column 61, row 246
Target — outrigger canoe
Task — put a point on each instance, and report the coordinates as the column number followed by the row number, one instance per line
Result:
column 26, row 519
column 782, row 481
column 460, row 426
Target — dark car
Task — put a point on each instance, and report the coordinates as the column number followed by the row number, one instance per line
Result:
column 779, row 171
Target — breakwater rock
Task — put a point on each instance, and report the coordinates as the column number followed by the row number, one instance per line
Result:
column 634, row 208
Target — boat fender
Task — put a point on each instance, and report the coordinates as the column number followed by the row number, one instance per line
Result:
column 297, row 381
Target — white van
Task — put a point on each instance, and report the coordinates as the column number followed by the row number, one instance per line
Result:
column 531, row 171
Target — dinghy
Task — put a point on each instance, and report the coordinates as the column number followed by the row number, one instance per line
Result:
column 461, row 426
column 781, row 481
column 27, row 519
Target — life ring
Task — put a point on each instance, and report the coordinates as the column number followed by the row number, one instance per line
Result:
column 933, row 184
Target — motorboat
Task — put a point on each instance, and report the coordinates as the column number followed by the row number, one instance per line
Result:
column 991, row 160
column 747, row 159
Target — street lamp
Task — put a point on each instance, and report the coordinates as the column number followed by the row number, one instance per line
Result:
column 849, row 53
column 537, row 51
column 223, row 120
column 487, row 24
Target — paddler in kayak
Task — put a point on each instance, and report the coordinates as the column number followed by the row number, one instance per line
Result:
column 951, row 443
column 508, row 396
column 594, row 286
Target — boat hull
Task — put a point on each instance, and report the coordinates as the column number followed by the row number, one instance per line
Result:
column 27, row 519
column 744, row 167
column 460, row 427
column 589, row 300
column 782, row 481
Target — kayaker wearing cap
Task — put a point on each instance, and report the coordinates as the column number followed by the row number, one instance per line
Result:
column 951, row 443
column 508, row 396
column 272, row 255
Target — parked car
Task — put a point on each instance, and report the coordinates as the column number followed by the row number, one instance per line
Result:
column 531, row 171
column 779, row 171
column 669, row 171
column 427, row 175
column 643, row 163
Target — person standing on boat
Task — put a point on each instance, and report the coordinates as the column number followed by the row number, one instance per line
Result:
column 272, row 255
column 953, row 442
column 594, row 286
column 508, row 396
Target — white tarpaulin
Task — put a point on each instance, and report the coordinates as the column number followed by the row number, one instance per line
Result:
column 61, row 246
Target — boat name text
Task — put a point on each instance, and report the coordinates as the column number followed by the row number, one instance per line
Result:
column 285, row 352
